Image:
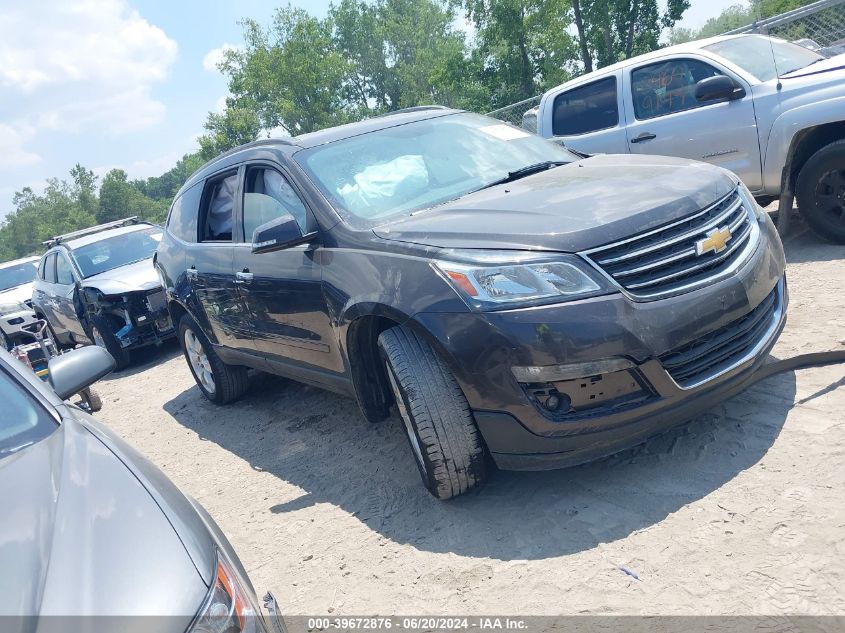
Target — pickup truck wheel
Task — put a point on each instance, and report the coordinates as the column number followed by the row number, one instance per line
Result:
column 444, row 439
column 821, row 192
column 102, row 333
column 219, row 382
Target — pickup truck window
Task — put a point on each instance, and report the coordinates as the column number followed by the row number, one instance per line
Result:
column 586, row 109
column 667, row 87
column 764, row 57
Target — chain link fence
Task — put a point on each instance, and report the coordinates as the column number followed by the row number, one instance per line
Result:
column 820, row 26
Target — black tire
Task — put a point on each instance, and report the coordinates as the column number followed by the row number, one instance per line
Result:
column 228, row 382
column 449, row 451
column 820, row 191
column 91, row 399
column 103, row 334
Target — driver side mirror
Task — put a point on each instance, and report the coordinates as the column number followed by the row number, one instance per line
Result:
column 72, row 371
column 280, row 233
column 718, row 87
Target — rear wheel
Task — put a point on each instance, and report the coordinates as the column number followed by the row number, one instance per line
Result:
column 219, row 382
column 444, row 439
column 820, row 191
column 103, row 334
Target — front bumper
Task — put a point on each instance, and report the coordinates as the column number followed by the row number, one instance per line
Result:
column 523, row 435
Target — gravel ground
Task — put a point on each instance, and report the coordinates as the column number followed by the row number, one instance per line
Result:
column 740, row 512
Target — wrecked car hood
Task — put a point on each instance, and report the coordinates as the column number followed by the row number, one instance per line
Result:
column 130, row 278
column 85, row 537
column 570, row 208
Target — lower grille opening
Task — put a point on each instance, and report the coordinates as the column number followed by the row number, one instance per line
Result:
column 707, row 356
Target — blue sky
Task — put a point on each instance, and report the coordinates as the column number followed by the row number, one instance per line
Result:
column 122, row 83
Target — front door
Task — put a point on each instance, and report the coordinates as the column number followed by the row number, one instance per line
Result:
column 67, row 306
column 282, row 290
column 666, row 119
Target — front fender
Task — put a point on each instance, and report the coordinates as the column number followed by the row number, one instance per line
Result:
column 783, row 133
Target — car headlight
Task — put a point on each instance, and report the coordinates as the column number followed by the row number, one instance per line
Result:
column 491, row 280
column 750, row 202
column 14, row 306
column 230, row 606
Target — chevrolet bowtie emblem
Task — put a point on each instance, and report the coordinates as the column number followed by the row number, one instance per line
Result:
column 716, row 241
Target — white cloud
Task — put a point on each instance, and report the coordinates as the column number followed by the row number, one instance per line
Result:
column 215, row 56
column 82, row 65
column 12, row 151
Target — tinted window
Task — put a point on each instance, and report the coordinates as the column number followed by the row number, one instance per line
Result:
column 24, row 421
column 267, row 196
column 586, row 109
column 667, row 87
column 116, row 251
column 182, row 221
column 17, row 275
column 219, row 208
column 64, row 275
column 416, row 165
column 50, row 268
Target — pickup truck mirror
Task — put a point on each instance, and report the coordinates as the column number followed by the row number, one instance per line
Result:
column 77, row 369
column 718, row 87
column 279, row 233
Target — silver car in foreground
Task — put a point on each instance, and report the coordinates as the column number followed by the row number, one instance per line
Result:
column 91, row 528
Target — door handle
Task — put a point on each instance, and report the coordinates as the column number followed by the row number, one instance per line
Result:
column 191, row 273
column 243, row 277
column 645, row 136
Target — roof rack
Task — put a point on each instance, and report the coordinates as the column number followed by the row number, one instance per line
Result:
column 419, row 108
column 58, row 239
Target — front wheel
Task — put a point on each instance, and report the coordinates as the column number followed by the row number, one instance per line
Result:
column 820, row 191
column 103, row 335
column 444, row 439
column 219, row 382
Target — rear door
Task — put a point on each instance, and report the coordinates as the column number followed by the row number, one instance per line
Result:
column 282, row 290
column 588, row 117
column 43, row 294
column 666, row 119
column 66, row 300
column 209, row 263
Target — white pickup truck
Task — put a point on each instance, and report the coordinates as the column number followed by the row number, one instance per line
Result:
column 770, row 111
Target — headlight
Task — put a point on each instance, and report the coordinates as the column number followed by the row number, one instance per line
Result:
column 14, row 306
column 230, row 606
column 750, row 202
column 486, row 282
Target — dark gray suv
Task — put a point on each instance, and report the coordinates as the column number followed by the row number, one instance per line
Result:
column 513, row 299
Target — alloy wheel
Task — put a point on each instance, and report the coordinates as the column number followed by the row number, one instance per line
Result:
column 830, row 196
column 199, row 361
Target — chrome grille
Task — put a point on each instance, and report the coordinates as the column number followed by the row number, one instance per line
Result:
column 666, row 260
column 720, row 350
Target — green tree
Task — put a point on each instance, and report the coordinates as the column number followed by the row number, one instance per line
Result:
column 120, row 198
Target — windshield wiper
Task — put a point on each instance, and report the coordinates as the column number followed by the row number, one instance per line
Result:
column 528, row 170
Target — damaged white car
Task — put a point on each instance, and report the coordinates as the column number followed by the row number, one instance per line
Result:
column 99, row 286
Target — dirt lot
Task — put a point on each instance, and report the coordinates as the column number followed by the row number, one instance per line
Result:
column 740, row 512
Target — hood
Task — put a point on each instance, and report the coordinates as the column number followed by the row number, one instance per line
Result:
column 18, row 294
column 570, row 208
column 81, row 535
column 130, row 278
column 837, row 62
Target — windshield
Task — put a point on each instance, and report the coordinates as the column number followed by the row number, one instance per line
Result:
column 23, row 422
column 417, row 165
column 117, row 251
column 17, row 275
column 764, row 57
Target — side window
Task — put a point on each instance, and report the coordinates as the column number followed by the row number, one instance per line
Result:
column 41, row 268
column 267, row 196
column 667, row 87
column 586, row 109
column 182, row 221
column 218, row 210
column 64, row 275
column 50, row 268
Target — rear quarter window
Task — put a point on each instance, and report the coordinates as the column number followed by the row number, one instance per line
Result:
column 182, row 221
column 585, row 109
